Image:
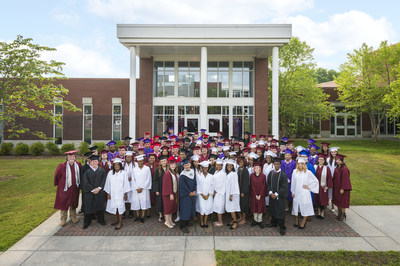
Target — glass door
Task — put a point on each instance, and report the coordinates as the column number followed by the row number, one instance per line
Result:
column 346, row 125
column 214, row 124
column 192, row 123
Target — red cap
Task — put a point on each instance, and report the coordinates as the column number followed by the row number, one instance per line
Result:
column 256, row 164
column 195, row 148
column 340, row 156
column 270, row 136
column 147, row 133
column 205, row 136
column 171, row 159
column 135, row 144
column 274, row 141
column 220, row 132
column 273, row 147
column 164, row 148
column 175, row 147
column 226, row 140
column 325, row 143
column 104, row 151
column 245, row 150
column 156, row 137
column 180, row 134
column 71, row 152
column 157, row 144
column 262, row 136
column 321, row 156
column 253, row 136
column 141, row 149
column 259, row 148
column 290, row 142
column 204, row 146
column 236, row 145
column 122, row 147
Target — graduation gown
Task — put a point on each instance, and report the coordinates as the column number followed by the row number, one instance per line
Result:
column 204, row 158
column 277, row 182
column 153, row 171
column 322, row 198
column 232, row 188
column 205, row 186
column 93, row 203
column 211, row 170
column 266, row 169
column 169, row 206
column 128, row 168
column 187, row 204
column 157, row 186
column 288, row 169
column 105, row 166
column 341, row 180
column 116, row 186
column 258, row 185
column 219, row 188
column 302, row 197
column 244, row 187
column 141, row 178
column 313, row 159
column 65, row 198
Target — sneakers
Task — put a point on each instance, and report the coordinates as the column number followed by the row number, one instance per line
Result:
column 63, row 223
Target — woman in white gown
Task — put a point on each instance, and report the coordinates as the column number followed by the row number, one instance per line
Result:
column 232, row 193
column 117, row 186
column 205, row 191
column 219, row 191
column 303, row 181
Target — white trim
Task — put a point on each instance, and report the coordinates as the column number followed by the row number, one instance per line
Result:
column 113, row 121
column 54, row 126
column 275, row 92
column 132, row 93
column 86, row 100
column 116, row 100
column 83, row 122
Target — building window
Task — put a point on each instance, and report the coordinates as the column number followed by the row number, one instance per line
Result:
column 189, row 79
column 344, row 124
column 87, row 122
column 218, row 79
column 163, row 119
column 387, row 126
column 218, row 119
column 188, row 116
column 314, row 123
column 164, row 78
column 58, row 130
column 117, row 122
column 243, row 120
column 242, row 79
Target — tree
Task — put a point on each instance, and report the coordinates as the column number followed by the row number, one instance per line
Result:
column 299, row 96
column 393, row 97
column 324, row 75
column 365, row 80
column 26, row 86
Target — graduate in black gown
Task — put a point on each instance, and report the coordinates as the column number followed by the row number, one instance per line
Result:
column 157, row 185
column 277, row 187
column 244, row 186
column 93, row 195
column 187, row 195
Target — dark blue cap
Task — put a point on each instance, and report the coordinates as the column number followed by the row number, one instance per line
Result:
column 111, row 142
column 147, row 141
column 186, row 161
column 304, row 152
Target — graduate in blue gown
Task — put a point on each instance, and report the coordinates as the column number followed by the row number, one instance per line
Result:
column 287, row 166
column 187, row 195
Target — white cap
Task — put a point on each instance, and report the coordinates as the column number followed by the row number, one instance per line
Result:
column 225, row 148
column 199, row 142
column 334, row 148
column 270, row 153
column 219, row 161
column 205, row 163
column 301, row 160
column 129, row 153
column 117, row 160
column 261, row 142
column 214, row 149
column 253, row 146
column 230, row 161
column 232, row 153
column 299, row 148
column 140, row 157
column 253, row 155
column 195, row 157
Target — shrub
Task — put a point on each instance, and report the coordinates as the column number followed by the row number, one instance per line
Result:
column 83, row 148
column 119, row 143
column 21, row 149
column 36, row 148
column 52, row 148
column 67, row 147
column 100, row 146
column 6, row 148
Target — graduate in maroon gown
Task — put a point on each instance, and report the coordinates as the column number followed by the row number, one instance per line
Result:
column 169, row 192
column 324, row 177
column 67, row 180
column 258, row 186
column 104, row 162
column 341, row 187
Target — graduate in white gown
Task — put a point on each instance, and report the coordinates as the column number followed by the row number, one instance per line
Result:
column 205, row 191
column 117, row 187
column 232, row 193
column 219, row 191
column 128, row 168
column 303, row 181
column 141, row 185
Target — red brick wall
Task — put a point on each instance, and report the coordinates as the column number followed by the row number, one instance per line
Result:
column 144, row 98
column 261, row 96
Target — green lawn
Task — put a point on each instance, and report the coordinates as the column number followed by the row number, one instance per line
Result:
column 27, row 198
column 306, row 258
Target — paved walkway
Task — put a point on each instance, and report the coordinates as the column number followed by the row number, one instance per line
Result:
column 378, row 228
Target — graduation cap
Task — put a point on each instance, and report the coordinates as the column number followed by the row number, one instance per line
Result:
column 262, row 136
column 213, row 156
column 147, row 141
column 245, row 150
column 195, row 157
column 203, row 130
column 140, row 157
column 162, row 157
column 261, row 142
column 140, row 139
column 175, row 146
column 88, row 154
column 111, row 142
column 290, row 142
column 186, row 161
column 253, row 155
column 94, row 158
column 260, row 149
column 253, row 146
column 93, row 148
column 285, row 139
column 135, row 144
column 184, row 128
column 219, row 161
column 299, row 148
column 147, row 133
column 304, row 152
column 340, row 157
column 166, row 132
column 314, row 146
column 129, row 153
column 271, row 136
column 164, row 148
column 321, row 155
column 171, row 160
column 247, row 133
column 156, row 137
column 256, row 164
column 204, row 163
column 232, row 153
column 196, row 133
column 170, row 128
column 71, row 152
column 117, row 160
column 334, row 149
column 199, row 142
column 273, row 147
column 163, row 138
column 104, row 151
column 270, row 153
column 122, row 147
column 310, row 140
column 226, row 148
column 236, row 145
column 277, row 160
column 180, row 134
column 157, row 144
column 288, row 151
column 204, row 146
column 230, row 161
column 127, row 138
column 220, row 133
column 205, row 136
column 196, row 148
column 220, row 144
column 253, row 136
column 186, row 140
column 325, row 144
column 301, row 160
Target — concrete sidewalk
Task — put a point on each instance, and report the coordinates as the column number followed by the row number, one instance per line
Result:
column 378, row 227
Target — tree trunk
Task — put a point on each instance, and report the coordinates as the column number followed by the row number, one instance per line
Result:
column 374, row 126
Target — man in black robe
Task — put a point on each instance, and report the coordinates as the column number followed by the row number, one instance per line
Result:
column 93, row 195
column 187, row 195
column 277, row 187
column 244, row 186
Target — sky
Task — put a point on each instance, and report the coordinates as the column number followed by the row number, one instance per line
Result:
column 84, row 31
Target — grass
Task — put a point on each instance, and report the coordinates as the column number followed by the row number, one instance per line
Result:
column 306, row 258
column 27, row 199
column 27, row 194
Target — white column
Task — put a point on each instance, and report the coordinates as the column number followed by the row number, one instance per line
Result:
column 132, row 94
column 275, row 92
column 203, row 88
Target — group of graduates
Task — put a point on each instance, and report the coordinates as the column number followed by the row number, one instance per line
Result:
column 185, row 174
